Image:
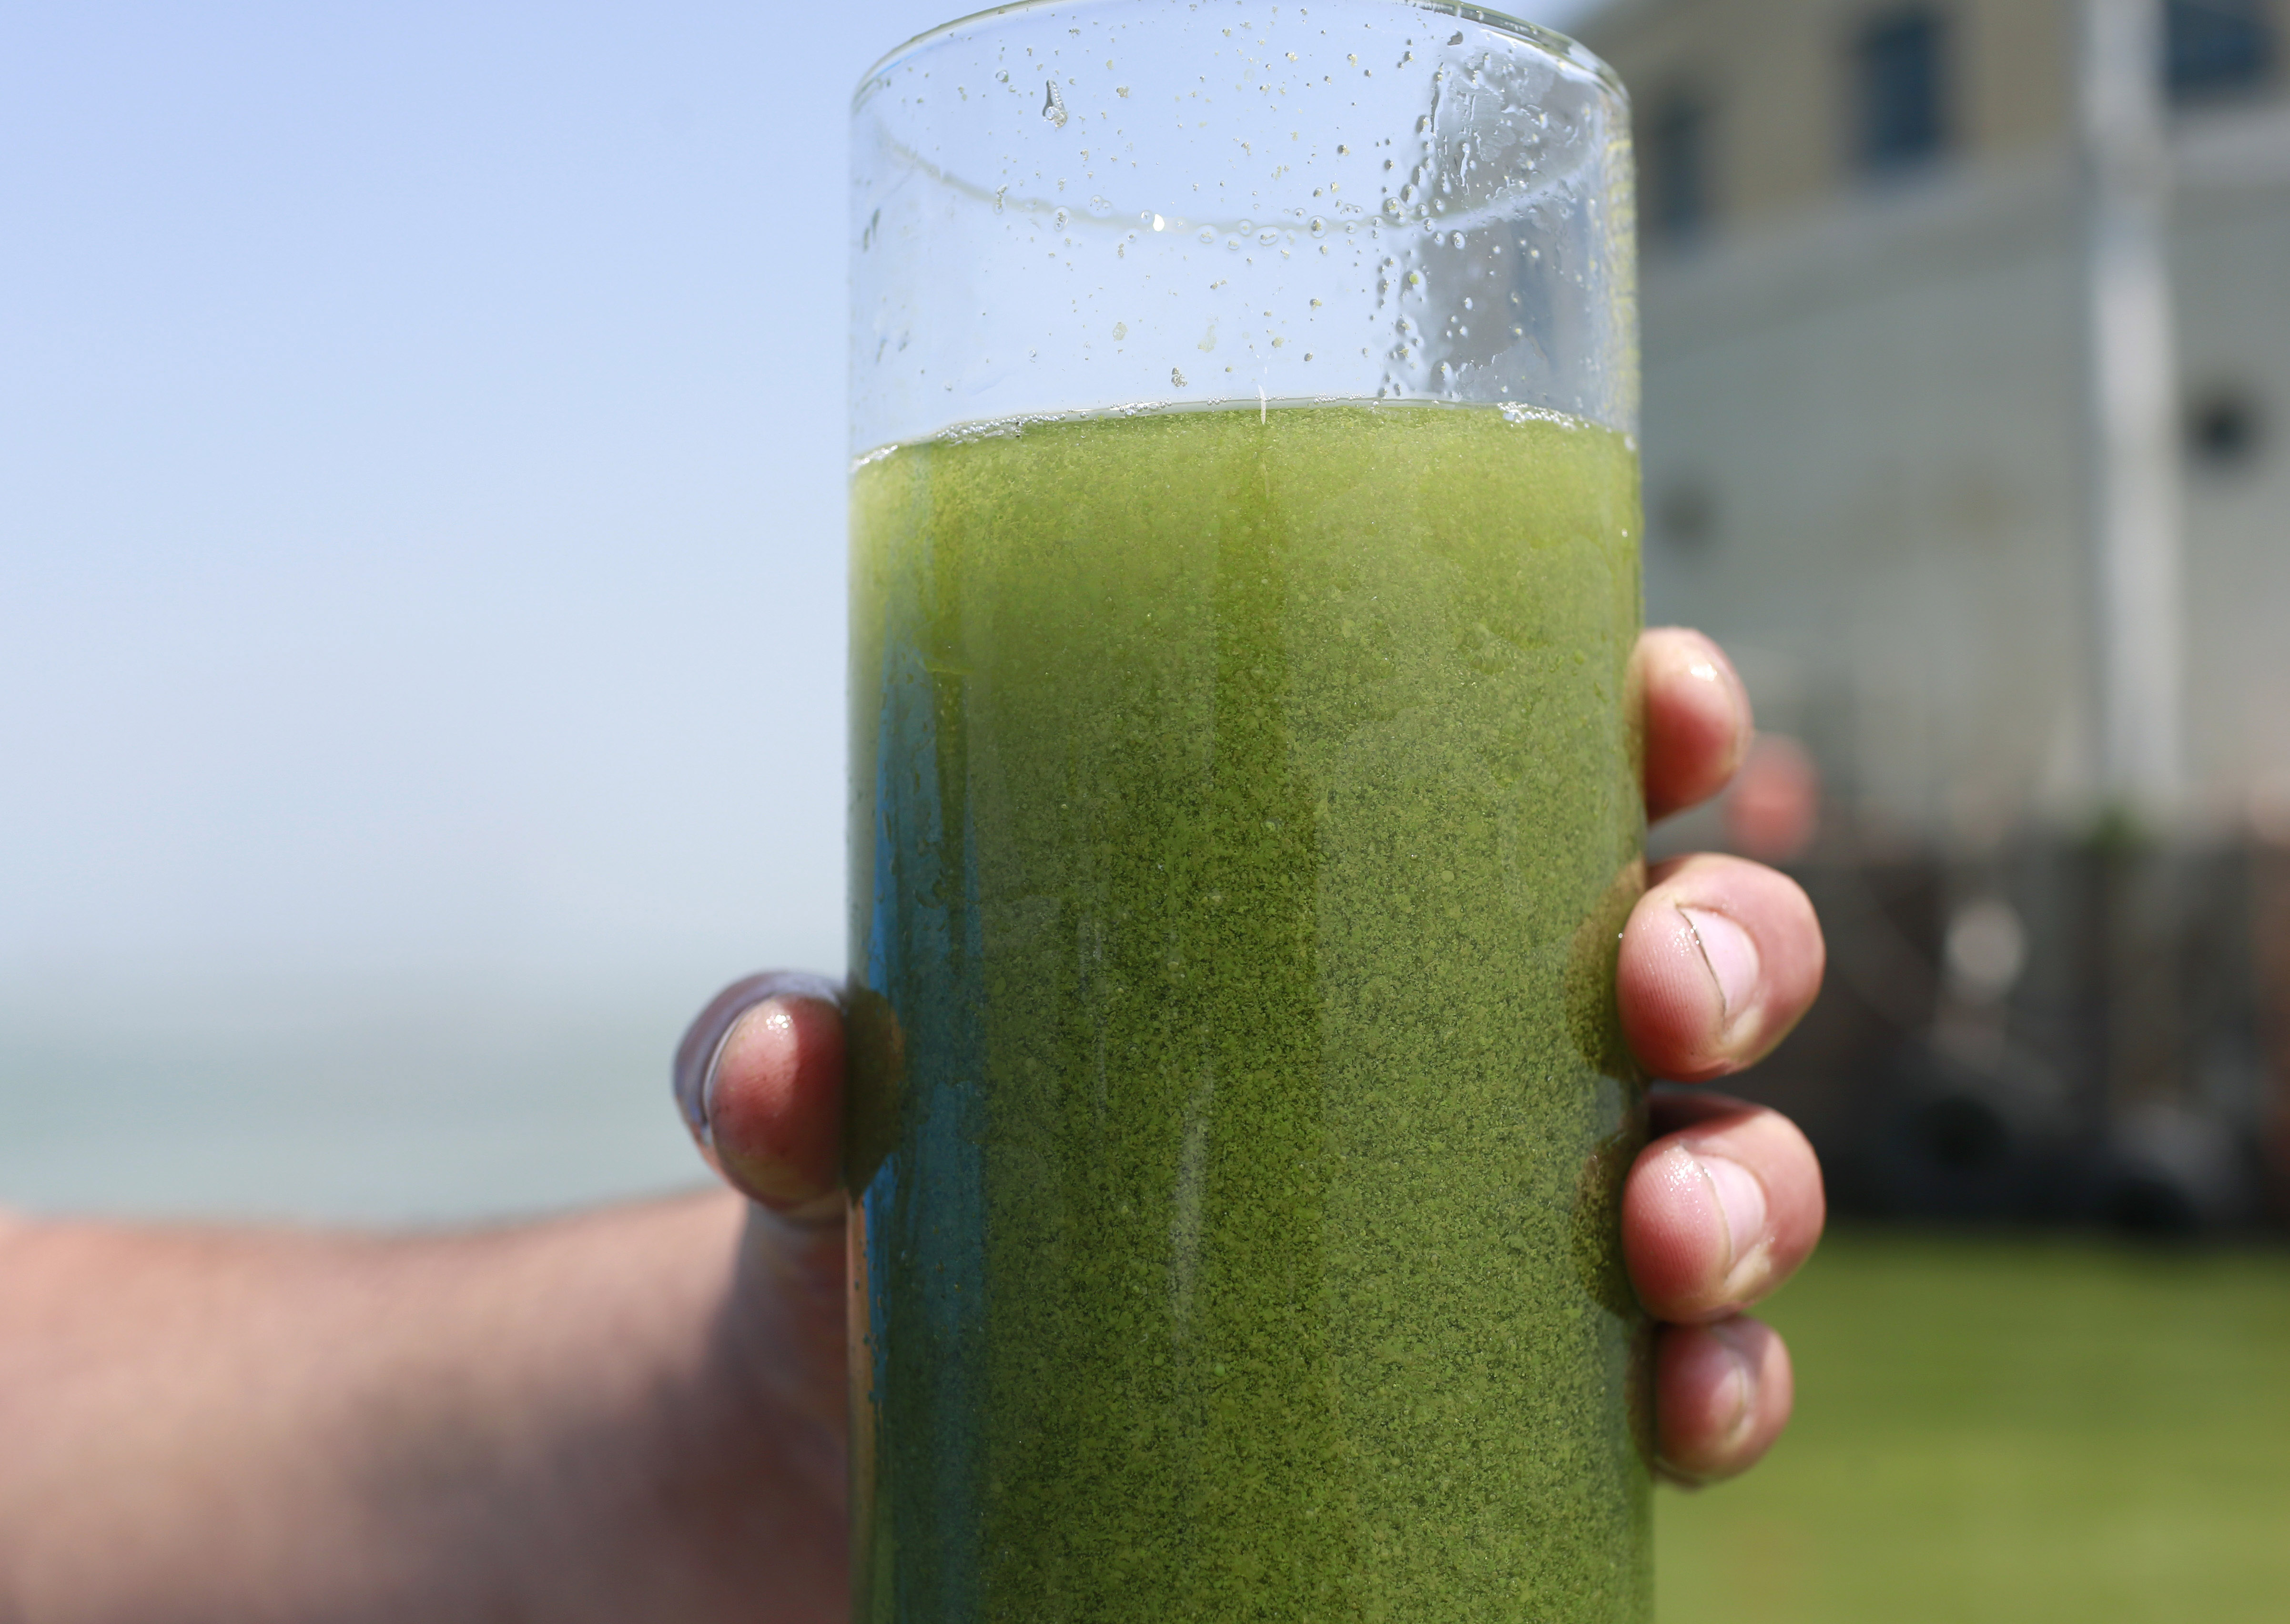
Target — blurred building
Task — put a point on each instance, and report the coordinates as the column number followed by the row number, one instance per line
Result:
column 1866, row 359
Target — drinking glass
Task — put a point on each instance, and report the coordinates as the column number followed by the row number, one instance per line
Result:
column 1245, row 809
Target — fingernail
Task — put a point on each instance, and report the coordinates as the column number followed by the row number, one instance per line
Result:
column 767, row 1012
column 1714, row 669
column 1739, row 1386
column 701, row 1046
column 1741, row 1201
column 1730, row 954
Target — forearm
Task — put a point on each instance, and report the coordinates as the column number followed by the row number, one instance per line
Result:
column 567, row 1421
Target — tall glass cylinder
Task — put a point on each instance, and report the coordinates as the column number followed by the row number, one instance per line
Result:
column 1244, row 809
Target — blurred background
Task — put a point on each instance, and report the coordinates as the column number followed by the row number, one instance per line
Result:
column 1967, row 431
column 421, row 674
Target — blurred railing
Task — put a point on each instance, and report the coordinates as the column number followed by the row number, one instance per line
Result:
column 2086, row 1030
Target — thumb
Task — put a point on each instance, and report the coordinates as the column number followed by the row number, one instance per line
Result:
column 759, row 1078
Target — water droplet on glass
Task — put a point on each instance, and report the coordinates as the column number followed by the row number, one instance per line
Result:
column 1059, row 219
column 1247, row 226
column 1391, row 207
column 1054, row 107
column 1176, row 378
column 1121, row 330
column 1100, row 206
column 1266, row 237
column 1160, row 224
column 1002, row 75
column 1319, row 228
column 1456, row 241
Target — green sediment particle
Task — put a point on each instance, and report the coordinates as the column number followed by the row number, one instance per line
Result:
column 1245, row 811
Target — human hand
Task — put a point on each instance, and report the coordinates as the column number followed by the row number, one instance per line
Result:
column 1719, row 958
column 640, row 1412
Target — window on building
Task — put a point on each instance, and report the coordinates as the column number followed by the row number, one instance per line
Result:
column 2226, row 430
column 1677, row 168
column 1902, row 101
column 1686, row 514
column 2216, row 47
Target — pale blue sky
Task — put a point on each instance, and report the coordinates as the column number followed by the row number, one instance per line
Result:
column 419, row 471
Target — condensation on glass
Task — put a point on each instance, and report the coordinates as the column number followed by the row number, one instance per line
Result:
column 1062, row 208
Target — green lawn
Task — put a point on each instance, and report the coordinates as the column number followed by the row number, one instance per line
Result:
column 2010, row 1430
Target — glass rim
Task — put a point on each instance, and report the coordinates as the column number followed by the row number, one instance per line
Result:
column 1549, row 41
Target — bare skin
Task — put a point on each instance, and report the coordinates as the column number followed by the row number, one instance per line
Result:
column 638, row 1413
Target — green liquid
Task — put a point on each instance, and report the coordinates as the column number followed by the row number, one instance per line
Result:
column 1244, row 810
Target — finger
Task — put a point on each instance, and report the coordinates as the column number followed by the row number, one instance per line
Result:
column 1720, row 958
column 1720, row 1208
column 1722, row 1394
column 1697, row 718
column 759, row 1077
